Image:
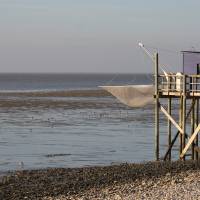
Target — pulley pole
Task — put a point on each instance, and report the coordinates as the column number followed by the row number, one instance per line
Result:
column 184, row 114
column 156, row 107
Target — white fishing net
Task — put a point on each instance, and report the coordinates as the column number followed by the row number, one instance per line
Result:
column 132, row 95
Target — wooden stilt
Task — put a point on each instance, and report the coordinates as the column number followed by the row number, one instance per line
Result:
column 156, row 108
column 180, row 125
column 169, row 126
column 196, row 123
column 183, row 115
column 192, row 127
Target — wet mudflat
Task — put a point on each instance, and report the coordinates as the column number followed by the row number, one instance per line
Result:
column 71, row 129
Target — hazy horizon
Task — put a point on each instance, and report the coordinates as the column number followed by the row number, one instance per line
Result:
column 65, row 36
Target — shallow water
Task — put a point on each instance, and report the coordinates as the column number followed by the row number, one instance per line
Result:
column 52, row 127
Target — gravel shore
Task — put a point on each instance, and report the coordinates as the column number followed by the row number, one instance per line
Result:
column 153, row 180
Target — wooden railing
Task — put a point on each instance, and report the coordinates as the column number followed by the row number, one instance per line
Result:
column 179, row 83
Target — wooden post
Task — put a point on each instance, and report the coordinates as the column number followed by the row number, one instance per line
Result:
column 196, row 124
column 180, row 125
column 197, row 113
column 183, row 114
column 169, row 126
column 156, row 108
column 193, row 126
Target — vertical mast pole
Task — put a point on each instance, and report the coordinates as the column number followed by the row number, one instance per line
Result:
column 156, row 108
column 184, row 113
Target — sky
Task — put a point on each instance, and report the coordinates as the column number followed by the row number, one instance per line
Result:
column 95, row 36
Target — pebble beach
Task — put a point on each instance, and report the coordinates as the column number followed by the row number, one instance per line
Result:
column 151, row 180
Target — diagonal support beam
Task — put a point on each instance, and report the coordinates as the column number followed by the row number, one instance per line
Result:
column 176, row 136
column 171, row 145
column 192, row 138
column 171, row 119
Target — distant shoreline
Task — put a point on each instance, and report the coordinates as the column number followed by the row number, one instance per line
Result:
column 151, row 180
column 53, row 99
column 56, row 93
column 74, row 73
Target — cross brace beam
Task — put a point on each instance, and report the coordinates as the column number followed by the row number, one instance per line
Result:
column 192, row 138
column 176, row 136
column 171, row 119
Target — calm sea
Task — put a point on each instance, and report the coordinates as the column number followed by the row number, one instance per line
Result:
column 68, row 81
column 62, row 120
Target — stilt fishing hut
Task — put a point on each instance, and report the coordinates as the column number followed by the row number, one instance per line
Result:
column 184, row 87
column 168, row 88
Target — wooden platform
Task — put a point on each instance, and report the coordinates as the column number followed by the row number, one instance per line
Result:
column 177, row 94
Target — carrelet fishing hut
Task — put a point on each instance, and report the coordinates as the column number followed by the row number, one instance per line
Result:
column 179, row 90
